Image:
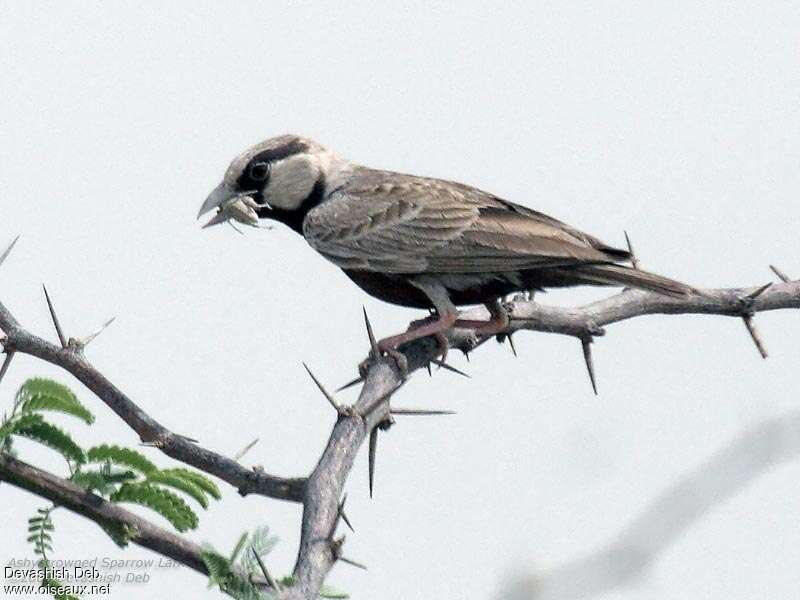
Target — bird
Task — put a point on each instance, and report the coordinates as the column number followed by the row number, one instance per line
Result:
column 416, row 241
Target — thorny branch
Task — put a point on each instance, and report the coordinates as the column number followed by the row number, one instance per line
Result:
column 70, row 356
column 322, row 491
column 139, row 531
column 75, row 498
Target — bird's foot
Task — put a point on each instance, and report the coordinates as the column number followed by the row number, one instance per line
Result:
column 398, row 357
column 444, row 345
column 432, row 326
column 496, row 324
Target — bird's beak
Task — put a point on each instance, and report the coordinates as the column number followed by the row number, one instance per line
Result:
column 220, row 195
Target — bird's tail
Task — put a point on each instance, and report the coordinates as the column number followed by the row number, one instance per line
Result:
column 630, row 277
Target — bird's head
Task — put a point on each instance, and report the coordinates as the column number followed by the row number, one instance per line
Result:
column 281, row 178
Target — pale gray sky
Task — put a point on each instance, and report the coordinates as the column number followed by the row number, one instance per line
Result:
column 676, row 121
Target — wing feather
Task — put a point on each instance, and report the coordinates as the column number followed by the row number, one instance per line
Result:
column 394, row 223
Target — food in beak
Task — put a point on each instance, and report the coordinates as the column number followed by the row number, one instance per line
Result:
column 241, row 209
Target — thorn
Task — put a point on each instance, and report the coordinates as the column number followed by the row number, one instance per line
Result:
column 373, row 448
column 245, row 450
column 511, row 343
column 466, row 355
column 372, row 343
column 751, row 328
column 350, row 384
column 8, row 250
column 428, row 366
column 328, row 397
column 781, row 275
column 270, row 581
column 59, row 331
column 349, row 561
column 335, row 524
column 340, row 511
column 756, row 293
column 85, row 341
column 634, row 260
column 377, row 402
column 419, row 411
column 447, row 367
column 586, row 342
column 6, row 364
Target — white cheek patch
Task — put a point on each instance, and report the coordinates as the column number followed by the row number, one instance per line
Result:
column 291, row 181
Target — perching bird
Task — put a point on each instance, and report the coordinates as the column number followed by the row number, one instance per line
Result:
column 417, row 241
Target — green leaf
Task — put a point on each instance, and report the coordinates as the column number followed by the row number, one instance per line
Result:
column 120, row 534
column 222, row 574
column 327, row 591
column 164, row 502
column 238, row 547
column 55, row 583
column 179, row 483
column 44, row 394
column 51, row 436
column 262, row 543
column 219, row 568
column 120, row 456
column 38, row 528
column 9, row 427
column 200, row 480
column 102, row 480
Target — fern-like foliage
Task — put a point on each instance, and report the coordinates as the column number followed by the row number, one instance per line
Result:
column 120, row 534
column 221, row 574
column 39, row 430
column 38, row 395
column 326, row 591
column 262, row 543
column 39, row 532
column 117, row 473
column 40, row 528
column 164, row 502
column 120, row 456
column 18, row 421
column 32, row 399
column 102, row 481
column 200, row 480
column 177, row 482
column 232, row 575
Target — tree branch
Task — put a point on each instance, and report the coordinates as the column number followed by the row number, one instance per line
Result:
column 322, row 491
column 75, row 498
column 72, row 359
column 319, row 550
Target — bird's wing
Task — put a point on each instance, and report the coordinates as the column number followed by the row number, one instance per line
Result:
column 393, row 223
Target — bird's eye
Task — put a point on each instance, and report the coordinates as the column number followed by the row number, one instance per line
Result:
column 259, row 171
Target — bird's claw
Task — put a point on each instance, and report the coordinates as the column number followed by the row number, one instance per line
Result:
column 400, row 360
column 444, row 345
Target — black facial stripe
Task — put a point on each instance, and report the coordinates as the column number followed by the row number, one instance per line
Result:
column 245, row 183
column 294, row 218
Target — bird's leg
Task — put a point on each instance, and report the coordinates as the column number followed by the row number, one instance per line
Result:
column 435, row 327
column 496, row 324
